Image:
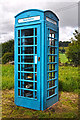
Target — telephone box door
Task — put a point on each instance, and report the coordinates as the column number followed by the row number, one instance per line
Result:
column 27, row 66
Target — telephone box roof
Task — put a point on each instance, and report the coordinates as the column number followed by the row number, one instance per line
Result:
column 37, row 10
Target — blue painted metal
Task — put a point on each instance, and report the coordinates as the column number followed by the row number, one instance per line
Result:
column 47, row 77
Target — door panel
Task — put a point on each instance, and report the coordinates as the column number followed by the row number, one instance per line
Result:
column 28, row 67
column 52, row 67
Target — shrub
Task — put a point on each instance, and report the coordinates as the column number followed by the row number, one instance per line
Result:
column 73, row 51
column 7, row 57
column 7, row 47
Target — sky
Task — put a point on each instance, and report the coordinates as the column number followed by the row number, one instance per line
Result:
column 66, row 10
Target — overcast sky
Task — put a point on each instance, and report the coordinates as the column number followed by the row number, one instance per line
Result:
column 67, row 12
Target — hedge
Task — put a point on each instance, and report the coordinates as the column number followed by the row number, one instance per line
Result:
column 7, row 57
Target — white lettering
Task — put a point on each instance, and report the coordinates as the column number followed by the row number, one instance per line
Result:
column 29, row 19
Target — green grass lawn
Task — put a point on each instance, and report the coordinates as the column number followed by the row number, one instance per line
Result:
column 7, row 76
column 68, row 77
column 63, row 58
column 68, row 97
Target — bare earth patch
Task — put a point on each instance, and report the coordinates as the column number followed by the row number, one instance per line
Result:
column 66, row 107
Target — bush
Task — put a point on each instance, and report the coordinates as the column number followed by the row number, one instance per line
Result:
column 7, row 47
column 73, row 51
column 63, row 50
column 7, row 57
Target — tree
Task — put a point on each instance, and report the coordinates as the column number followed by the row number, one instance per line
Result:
column 73, row 52
column 63, row 50
column 7, row 47
column 64, row 43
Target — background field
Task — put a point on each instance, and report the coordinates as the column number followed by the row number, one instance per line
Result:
column 68, row 97
column 67, row 107
column 63, row 58
column 68, row 77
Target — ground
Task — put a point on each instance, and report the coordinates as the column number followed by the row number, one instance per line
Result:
column 65, row 108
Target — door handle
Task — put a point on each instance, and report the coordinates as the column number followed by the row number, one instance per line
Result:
column 38, row 58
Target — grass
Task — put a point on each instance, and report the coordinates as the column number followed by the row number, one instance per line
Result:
column 68, row 78
column 7, row 76
column 63, row 58
column 65, row 108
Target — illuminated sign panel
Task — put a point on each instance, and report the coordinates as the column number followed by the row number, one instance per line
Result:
column 29, row 19
column 50, row 20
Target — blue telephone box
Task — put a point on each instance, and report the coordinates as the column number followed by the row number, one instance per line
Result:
column 36, row 59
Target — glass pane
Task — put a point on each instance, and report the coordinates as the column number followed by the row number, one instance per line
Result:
column 22, row 92
column 35, row 49
column 18, row 58
column 35, row 67
column 22, row 84
column 27, row 76
column 18, row 33
column 53, row 58
column 35, row 31
column 27, row 59
column 18, row 75
column 35, row 86
column 35, row 40
column 36, row 77
column 52, row 33
column 51, row 67
column 18, row 67
column 35, row 95
column 27, row 50
column 50, row 58
column 51, row 42
column 28, row 85
column 18, row 83
column 53, row 75
column 18, row 41
column 19, row 92
column 51, row 83
column 27, row 41
column 27, row 32
column 52, row 91
column 50, row 76
column 27, row 67
column 28, row 93
column 52, row 50
column 18, row 50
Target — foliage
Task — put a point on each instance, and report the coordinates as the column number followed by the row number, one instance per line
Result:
column 7, row 57
column 73, row 52
column 62, row 50
column 7, row 47
column 63, row 58
column 64, row 43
